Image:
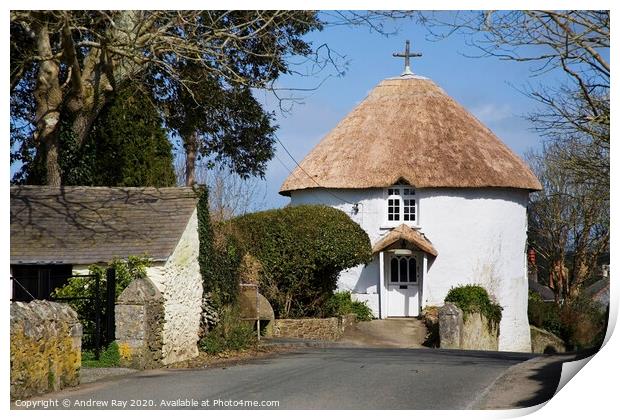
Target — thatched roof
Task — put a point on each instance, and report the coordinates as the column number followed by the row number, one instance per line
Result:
column 408, row 235
column 409, row 130
column 85, row 225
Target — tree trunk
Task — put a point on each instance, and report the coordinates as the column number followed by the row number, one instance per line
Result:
column 83, row 122
column 191, row 145
column 48, row 97
column 51, row 159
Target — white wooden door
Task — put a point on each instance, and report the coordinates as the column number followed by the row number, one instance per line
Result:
column 403, row 281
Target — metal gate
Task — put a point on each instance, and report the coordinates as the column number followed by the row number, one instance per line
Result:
column 95, row 309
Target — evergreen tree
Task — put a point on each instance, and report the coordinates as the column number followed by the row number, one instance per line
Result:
column 131, row 147
column 127, row 147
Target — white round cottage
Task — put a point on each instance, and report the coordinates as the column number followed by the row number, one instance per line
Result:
column 442, row 199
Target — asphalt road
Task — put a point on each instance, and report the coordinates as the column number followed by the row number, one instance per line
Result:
column 332, row 378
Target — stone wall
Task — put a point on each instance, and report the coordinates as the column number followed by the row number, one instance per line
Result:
column 46, row 344
column 469, row 332
column 139, row 317
column 546, row 342
column 328, row 329
column 180, row 284
column 478, row 334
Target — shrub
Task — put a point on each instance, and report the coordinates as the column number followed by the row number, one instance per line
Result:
column 579, row 322
column 302, row 250
column 474, row 298
column 110, row 357
column 545, row 315
column 584, row 323
column 231, row 333
column 340, row 303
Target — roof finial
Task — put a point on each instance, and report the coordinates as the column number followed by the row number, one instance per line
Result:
column 406, row 55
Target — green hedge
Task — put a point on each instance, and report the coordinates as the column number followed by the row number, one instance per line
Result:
column 341, row 303
column 301, row 250
column 474, row 298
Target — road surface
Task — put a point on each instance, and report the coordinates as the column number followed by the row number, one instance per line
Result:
column 330, row 378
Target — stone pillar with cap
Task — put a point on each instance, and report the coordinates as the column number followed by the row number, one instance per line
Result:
column 139, row 325
column 450, row 326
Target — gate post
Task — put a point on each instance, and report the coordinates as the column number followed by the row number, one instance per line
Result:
column 450, row 326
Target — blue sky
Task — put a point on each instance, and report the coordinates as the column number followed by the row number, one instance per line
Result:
column 487, row 87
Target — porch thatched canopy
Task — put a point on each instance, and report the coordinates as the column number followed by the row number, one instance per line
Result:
column 407, row 234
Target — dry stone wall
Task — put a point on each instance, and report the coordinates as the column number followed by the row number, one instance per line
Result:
column 479, row 334
column 46, row 345
column 546, row 342
column 328, row 329
column 467, row 332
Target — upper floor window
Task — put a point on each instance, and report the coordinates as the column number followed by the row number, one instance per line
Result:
column 401, row 204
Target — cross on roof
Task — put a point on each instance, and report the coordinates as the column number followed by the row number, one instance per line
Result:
column 406, row 55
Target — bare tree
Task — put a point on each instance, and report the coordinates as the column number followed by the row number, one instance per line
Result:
column 77, row 59
column 574, row 113
column 230, row 195
column 568, row 225
column 80, row 58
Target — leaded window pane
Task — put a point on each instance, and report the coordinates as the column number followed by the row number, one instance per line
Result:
column 394, row 269
column 403, row 270
column 412, row 270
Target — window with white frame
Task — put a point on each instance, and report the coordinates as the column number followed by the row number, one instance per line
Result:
column 401, row 204
column 403, row 269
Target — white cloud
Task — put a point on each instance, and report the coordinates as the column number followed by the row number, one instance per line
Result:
column 492, row 113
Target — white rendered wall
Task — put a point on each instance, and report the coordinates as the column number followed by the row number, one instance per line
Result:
column 480, row 235
column 180, row 283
